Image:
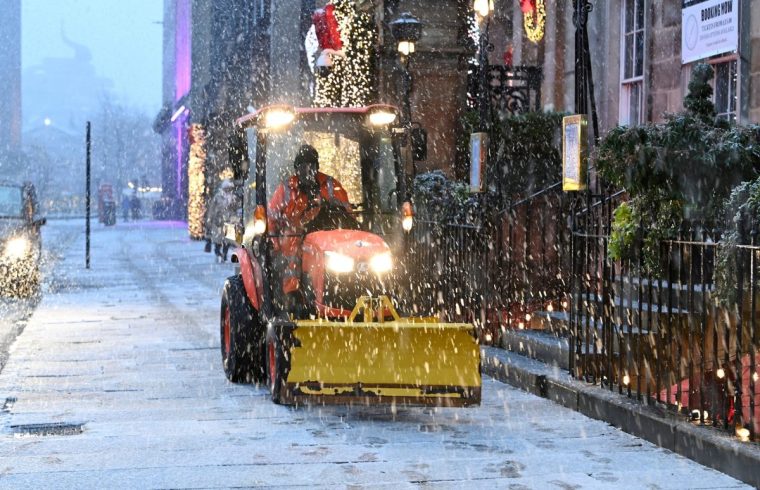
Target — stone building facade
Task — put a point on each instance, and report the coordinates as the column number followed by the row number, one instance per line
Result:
column 10, row 77
column 636, row 52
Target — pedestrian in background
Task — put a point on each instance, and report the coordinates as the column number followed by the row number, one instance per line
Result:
column 126, row 204
column 224, row 208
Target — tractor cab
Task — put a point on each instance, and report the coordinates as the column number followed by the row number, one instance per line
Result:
column 355, row 147
column 347, row 250
column 341, row 339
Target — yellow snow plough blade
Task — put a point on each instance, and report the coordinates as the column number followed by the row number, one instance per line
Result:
column 401, row 361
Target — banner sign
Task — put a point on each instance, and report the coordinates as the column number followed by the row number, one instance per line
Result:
column 708, row 27
column 574, row 153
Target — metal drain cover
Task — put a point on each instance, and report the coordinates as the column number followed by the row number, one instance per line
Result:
column 41, row 430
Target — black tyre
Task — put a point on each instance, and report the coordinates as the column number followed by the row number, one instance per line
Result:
column 275, row 365
column 240, row 335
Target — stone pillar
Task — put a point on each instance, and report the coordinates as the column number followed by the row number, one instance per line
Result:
column 663, row 60
column 753, row 55
column 286, row 78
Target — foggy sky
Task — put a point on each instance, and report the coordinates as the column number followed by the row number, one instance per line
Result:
column 122, row 36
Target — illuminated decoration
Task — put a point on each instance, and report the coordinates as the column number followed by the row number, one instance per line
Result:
column 196, row 176
column 349, row 83
column 742, row 433
column 328, row 36
column 534, row 18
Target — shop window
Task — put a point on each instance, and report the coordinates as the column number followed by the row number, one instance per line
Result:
column 632, row 62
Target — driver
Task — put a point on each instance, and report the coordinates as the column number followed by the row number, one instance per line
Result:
column 294, row 204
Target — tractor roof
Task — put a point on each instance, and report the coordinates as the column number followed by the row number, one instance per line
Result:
column 250, row 119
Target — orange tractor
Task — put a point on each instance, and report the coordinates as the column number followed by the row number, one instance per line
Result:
column 345, row 341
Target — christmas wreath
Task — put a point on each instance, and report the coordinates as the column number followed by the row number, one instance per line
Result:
column 534, row 18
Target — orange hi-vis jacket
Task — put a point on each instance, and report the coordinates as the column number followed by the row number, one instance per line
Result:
column 286, row 218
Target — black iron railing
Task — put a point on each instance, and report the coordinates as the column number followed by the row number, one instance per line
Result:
column 652, row 329
column 661, row 332
column 499, row 272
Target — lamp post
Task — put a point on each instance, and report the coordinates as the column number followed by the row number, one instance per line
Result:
column 406, row 30
column 584, row 81
column 483, row 8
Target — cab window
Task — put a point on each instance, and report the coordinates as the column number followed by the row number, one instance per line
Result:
column 10, row 201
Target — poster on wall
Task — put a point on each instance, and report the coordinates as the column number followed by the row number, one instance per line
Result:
column 708, row 28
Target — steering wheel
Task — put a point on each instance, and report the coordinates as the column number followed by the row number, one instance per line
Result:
column 329, row 217
column 312, row 210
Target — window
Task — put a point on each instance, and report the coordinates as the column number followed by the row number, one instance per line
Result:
column 10, row 201
column 725, row 86
column 632, row 62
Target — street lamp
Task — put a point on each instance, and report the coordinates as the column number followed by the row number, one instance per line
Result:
column 407, row 30
column 483, row 7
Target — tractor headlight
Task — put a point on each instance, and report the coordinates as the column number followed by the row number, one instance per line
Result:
column 381, row 263
column 339, row 263
column 16, row 248
column 278, row 117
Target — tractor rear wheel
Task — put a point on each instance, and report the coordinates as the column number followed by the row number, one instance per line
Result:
column 240, row 339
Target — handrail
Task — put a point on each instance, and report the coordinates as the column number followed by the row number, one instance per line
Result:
column 600, row 203
column 531, row 197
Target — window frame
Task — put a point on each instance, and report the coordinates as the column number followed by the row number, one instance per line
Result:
column 628, row 84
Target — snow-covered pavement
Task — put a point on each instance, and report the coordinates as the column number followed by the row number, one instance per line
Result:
column 130, row 351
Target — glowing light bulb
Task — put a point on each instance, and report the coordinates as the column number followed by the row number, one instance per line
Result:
column 721, row 373
column 626, row 380
column 483, row 7
column 742, row 433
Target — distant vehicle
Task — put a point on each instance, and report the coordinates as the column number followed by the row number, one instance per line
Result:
column 20, row 242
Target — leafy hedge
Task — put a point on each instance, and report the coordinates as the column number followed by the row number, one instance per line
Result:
column 742, row 210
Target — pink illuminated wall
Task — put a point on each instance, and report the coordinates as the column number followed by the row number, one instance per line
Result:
column 182, row 80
